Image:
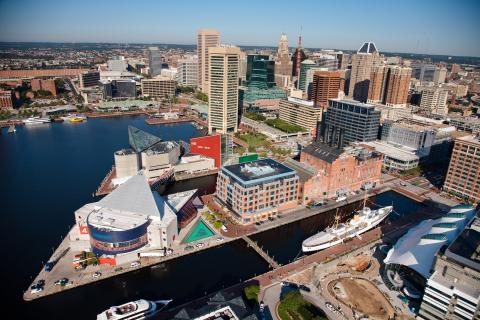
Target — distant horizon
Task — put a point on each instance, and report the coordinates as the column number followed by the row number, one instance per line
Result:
column 430, row 27
column 238, row 45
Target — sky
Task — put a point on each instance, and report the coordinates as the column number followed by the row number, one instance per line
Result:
column 421, row 26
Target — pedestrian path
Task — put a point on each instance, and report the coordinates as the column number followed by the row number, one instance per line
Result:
column 262, row 253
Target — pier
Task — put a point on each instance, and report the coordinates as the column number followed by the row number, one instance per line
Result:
column 274, row 264
column 106, row 185
column 64, row 267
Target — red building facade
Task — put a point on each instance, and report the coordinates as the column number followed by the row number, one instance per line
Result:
column 208, row 146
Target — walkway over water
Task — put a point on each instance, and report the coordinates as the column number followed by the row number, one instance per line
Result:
column 262, row 253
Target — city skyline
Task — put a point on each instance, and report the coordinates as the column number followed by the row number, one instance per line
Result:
column 439, row 27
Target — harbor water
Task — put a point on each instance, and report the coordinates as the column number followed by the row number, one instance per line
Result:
column 49, row 171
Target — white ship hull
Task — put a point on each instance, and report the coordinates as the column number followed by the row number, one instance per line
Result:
column 135, row 310
column 314, row 244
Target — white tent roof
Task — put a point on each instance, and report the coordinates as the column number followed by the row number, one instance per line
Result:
column 418, row 247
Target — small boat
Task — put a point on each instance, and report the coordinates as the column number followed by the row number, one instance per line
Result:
column 77, row 119
column 36, row 120
column 12, row 129
column 139, row 309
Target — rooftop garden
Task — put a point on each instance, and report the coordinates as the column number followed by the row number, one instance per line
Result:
column 284, row 126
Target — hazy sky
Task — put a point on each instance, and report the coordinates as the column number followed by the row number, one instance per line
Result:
column 421, row 26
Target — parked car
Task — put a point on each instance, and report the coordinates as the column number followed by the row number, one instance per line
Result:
column 36, row 289
column 289, row 284
column 169, row 251
column 403, row 183
column 220, row 239
column 97, row 274
column 135, row 264
column 271, row 218
column 189, row 248
column 61, row 282
column 41, row 282
column 330, row 306
column 49, row 266
column 262, row 306
column 118, row 269
column 224, row 228
column 200, row 245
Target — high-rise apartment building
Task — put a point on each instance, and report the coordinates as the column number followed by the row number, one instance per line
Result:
column 154, row 61
column 440, row 75
column 463, row 176
column 223, row 89
column 159, row 87
column 300, row 112
column 434, row 100
column 325, row 86
column 348, row 121
column 389, row 85
column 302, row 79
column 187, row 71
column 89, row 79
column 362, row 63
column 206, row 38
column 283, row 64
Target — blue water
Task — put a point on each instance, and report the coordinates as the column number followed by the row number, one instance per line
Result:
column 47, row 172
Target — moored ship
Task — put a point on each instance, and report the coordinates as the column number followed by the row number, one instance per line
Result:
column 36, row 120
column 362, row 221
column 139, row 309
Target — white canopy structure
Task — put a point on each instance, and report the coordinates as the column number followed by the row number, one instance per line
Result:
column 417, row 248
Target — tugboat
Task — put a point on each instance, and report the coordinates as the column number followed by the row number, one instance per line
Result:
column 139, row 309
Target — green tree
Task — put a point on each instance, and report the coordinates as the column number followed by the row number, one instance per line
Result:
column 251, row 293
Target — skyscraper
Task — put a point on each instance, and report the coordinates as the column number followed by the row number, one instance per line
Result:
column 463, row 176
column 223, row 89
column 283, row 64
column 154, row 61
column 325, row 86
column 206, row 38
column 389, row 85
column 349, row 121
column 302, row 78
column 362, row 62
column 188, row 71
column 434, row 100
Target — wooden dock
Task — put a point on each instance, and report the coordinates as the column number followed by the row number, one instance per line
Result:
column 274, row 264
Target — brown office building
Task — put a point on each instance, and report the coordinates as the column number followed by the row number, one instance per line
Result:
column 5, row 99
column 463, row 176
column 159, row 87
column 389, row 85
column 45, row 85
column 325, row 86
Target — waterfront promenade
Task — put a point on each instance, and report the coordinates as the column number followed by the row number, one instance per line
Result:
column 64, row 266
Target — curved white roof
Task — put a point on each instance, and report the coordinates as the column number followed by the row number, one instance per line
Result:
column 418, row 247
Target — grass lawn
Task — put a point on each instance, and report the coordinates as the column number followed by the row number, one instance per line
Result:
column 254, row 140
column 294, row 306
column 255, row 116
column 284, row 126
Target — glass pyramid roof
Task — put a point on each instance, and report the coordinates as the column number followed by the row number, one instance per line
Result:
column 140, row 140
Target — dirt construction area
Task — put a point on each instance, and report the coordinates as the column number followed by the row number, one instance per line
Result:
column 362, row 296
